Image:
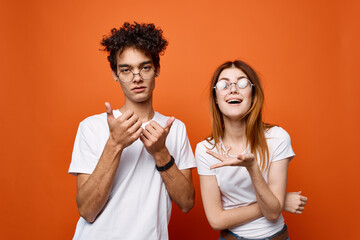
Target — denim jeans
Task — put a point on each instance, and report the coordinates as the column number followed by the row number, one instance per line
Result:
column 242, row 238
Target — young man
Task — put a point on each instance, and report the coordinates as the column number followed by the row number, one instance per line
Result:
column 132, row 162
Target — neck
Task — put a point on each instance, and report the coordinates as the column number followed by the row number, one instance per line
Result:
column 235, row 135
column 144, row 110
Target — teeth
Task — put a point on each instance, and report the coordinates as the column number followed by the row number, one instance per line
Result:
column 234, row 101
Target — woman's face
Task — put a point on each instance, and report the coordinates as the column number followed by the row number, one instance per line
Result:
column 233, row 93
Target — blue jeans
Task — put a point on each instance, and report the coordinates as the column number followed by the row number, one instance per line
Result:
column 242, row 238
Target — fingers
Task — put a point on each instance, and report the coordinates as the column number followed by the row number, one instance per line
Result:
column 303, row 198
column 215, row 155
column 246, row 157
column 144, row 139
column 149, row 133
column 126, row 115
column 134, row 119
column 168, row 124
column 109, row 112
column 217, row 165
column 138, row 132
column 227, row 151
column 155, row 130
column 134, row 124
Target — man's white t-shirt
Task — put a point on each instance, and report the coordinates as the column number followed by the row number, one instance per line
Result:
column 139, row 206
column 235, row 183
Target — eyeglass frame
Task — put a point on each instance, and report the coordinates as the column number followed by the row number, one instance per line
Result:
column 248, row 80
column 139, row 73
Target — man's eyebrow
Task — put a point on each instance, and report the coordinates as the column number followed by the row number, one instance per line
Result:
column 141, row 64
column 146, row 62
column 123, row 65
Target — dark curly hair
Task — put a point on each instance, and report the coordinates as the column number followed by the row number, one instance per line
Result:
column 144, row 37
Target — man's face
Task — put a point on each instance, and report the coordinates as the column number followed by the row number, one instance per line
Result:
column 134, row 61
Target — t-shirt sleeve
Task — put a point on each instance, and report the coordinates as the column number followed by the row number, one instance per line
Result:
column 203, row 161
column 282, row 148
column 85, row 154
column 185, row 157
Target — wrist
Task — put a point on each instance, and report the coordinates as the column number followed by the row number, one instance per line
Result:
column 166, row 166
column 252, row 167
column 162, row 157
column 115, row 145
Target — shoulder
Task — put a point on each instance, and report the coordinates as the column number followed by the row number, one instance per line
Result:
column 94, row 123
column 204, row 145
column 277, row 132
column 279, row 143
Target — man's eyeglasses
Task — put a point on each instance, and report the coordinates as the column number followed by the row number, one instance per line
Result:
column 223, row 86
column 146, row 73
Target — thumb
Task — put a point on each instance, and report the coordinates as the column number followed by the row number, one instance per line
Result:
column 109, row 112
column 169, row 124
column 299, row 192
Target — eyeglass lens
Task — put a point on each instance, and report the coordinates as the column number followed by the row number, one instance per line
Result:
column 146, row 73
column 225, row 85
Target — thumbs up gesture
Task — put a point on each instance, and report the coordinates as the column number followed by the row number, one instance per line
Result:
column 125, row 129
column 154, row 137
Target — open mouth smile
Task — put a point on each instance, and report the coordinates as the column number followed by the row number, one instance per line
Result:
column 234, row 101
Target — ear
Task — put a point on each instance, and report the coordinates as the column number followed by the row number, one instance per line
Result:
column 157, row 73
column 116, row 78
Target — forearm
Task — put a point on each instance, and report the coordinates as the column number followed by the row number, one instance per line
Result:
column 179, row 186
column 94, row 191
column 223, row 219
column 218, row 217
column 269, row 204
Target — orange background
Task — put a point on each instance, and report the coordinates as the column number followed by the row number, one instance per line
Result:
column 53, row 76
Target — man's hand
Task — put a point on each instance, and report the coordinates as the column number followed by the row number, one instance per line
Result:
column 154, row 137
column 294, row 202
column 125, row 129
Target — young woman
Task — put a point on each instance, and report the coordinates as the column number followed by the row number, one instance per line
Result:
column 243, row 164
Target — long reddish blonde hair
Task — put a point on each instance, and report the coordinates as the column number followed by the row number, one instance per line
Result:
column 255, row 127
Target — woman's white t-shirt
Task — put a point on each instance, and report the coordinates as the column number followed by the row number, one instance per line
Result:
column 236, row 186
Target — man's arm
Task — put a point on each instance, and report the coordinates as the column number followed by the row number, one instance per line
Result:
column 93, row 190
column 295, row 202
column 178, row 183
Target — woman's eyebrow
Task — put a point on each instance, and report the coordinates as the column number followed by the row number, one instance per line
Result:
column 227, row 79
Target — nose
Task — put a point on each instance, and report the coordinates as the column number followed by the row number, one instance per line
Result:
column 233, row 88
column 137, row 77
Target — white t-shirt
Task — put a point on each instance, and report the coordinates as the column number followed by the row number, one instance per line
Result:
column 236, row 186
column 139, row 206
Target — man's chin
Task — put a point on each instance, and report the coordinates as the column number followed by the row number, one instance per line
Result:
column 140, row 99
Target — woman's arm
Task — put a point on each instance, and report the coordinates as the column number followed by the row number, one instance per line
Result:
column 218, row 217
column 270, row 196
